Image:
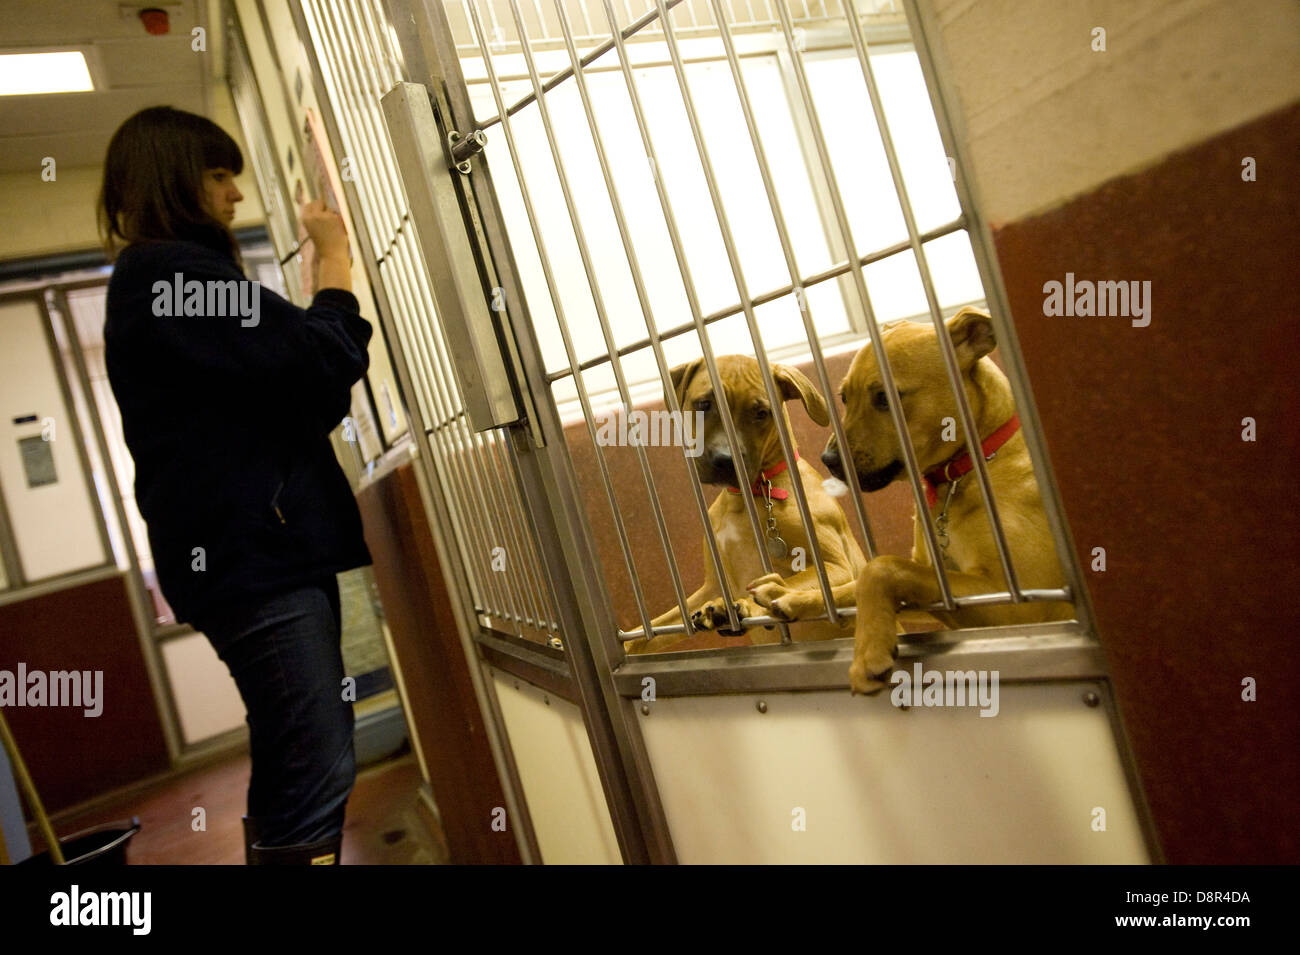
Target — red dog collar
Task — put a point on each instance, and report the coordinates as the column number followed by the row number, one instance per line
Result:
column 961, row 463
column 756, row 488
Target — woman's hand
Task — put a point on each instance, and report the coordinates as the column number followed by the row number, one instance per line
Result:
column 325, row 228
column 333, row 268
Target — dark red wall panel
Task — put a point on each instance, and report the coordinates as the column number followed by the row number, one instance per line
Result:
column 1144, row 428
column 74, row 757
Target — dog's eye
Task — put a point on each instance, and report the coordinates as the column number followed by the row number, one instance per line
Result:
column 760, row 413
column 703, row 404
column 878, row 399
column 843, row 400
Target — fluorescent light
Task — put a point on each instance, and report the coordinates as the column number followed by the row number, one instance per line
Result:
column 26, row 73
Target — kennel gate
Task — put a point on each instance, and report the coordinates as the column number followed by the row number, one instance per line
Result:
column 499, row 475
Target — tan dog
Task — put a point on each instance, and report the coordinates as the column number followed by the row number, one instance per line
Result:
column 891, row 583
column 754, row 422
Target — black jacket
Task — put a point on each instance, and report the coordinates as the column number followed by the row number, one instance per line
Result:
column 228, row 421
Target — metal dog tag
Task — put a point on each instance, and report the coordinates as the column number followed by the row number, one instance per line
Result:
column 776, row 548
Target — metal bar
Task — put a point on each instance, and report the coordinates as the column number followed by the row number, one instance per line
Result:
column 549, row 488
column 518, row 531
column 692, row 298
column 981, row 238
column 503, row 462
column 923, row 517
column 769, row 296
column 468, row 539
column 792, row 266
column 541, row 16
column 527, row 517
column 777, row 403
column 946, row 348
column 1052, row 595
column 603, row 467
column 485, row 465
column 427, row 342
column 582, row 6
column 601, row 315
column 595, row 54
column 452, row 444
column 373, row 140
column 1026, row 653
column 502, row 525
column 646, row 311
column 397, row 277
column 339, row 77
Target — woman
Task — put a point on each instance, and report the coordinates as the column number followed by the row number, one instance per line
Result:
column 228, row 394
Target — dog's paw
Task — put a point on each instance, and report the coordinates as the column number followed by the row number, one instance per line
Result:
column 771, row 593
column 870, row 675
column 713, row 616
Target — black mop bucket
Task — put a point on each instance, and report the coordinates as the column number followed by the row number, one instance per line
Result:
column 100, row 845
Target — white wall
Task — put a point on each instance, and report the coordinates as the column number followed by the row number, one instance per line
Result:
column 47, row 217
column 1047, row 118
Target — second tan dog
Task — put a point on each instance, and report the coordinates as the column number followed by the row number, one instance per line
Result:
column 892, row 583
column 754, row 422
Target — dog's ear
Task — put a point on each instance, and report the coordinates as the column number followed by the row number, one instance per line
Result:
column 972, row 335
column 792, row 383
column 681, row 377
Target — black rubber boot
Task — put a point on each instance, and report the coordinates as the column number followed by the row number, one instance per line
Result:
column 321, row 852
column 252, row 832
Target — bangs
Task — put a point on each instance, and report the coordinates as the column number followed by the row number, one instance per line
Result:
column 219, row 150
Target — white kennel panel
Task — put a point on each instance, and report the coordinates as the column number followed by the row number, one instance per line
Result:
column 207, row 697
column 558, row 773
column 878, row 784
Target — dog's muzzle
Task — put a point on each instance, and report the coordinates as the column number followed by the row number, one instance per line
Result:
column 881, row 477
column 831, row 458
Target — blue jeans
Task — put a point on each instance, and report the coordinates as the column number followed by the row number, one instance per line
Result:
column 284, row 654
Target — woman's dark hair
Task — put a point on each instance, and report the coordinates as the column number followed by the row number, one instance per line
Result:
column 153, row 180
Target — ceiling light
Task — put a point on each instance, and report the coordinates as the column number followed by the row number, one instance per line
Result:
column 28, row 73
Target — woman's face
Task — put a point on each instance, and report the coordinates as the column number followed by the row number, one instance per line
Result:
column 220, row 194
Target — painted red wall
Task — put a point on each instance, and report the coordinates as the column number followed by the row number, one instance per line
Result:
column 1144, row 429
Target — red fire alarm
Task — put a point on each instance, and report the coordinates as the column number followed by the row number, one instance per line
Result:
column 155, row 21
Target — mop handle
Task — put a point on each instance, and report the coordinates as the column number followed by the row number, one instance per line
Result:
column 29, row 789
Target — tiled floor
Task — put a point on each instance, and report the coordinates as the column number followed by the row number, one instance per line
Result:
column 381, row 829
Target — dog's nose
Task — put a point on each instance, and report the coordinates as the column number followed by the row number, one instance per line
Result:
column 831, row 458
column 720, row 459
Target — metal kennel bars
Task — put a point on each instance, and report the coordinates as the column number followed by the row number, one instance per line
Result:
column 499, row 479
column 618, row 34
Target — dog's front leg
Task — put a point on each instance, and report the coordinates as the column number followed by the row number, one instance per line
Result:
column 799, row 596
column 709, row 591
column 888, row 583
